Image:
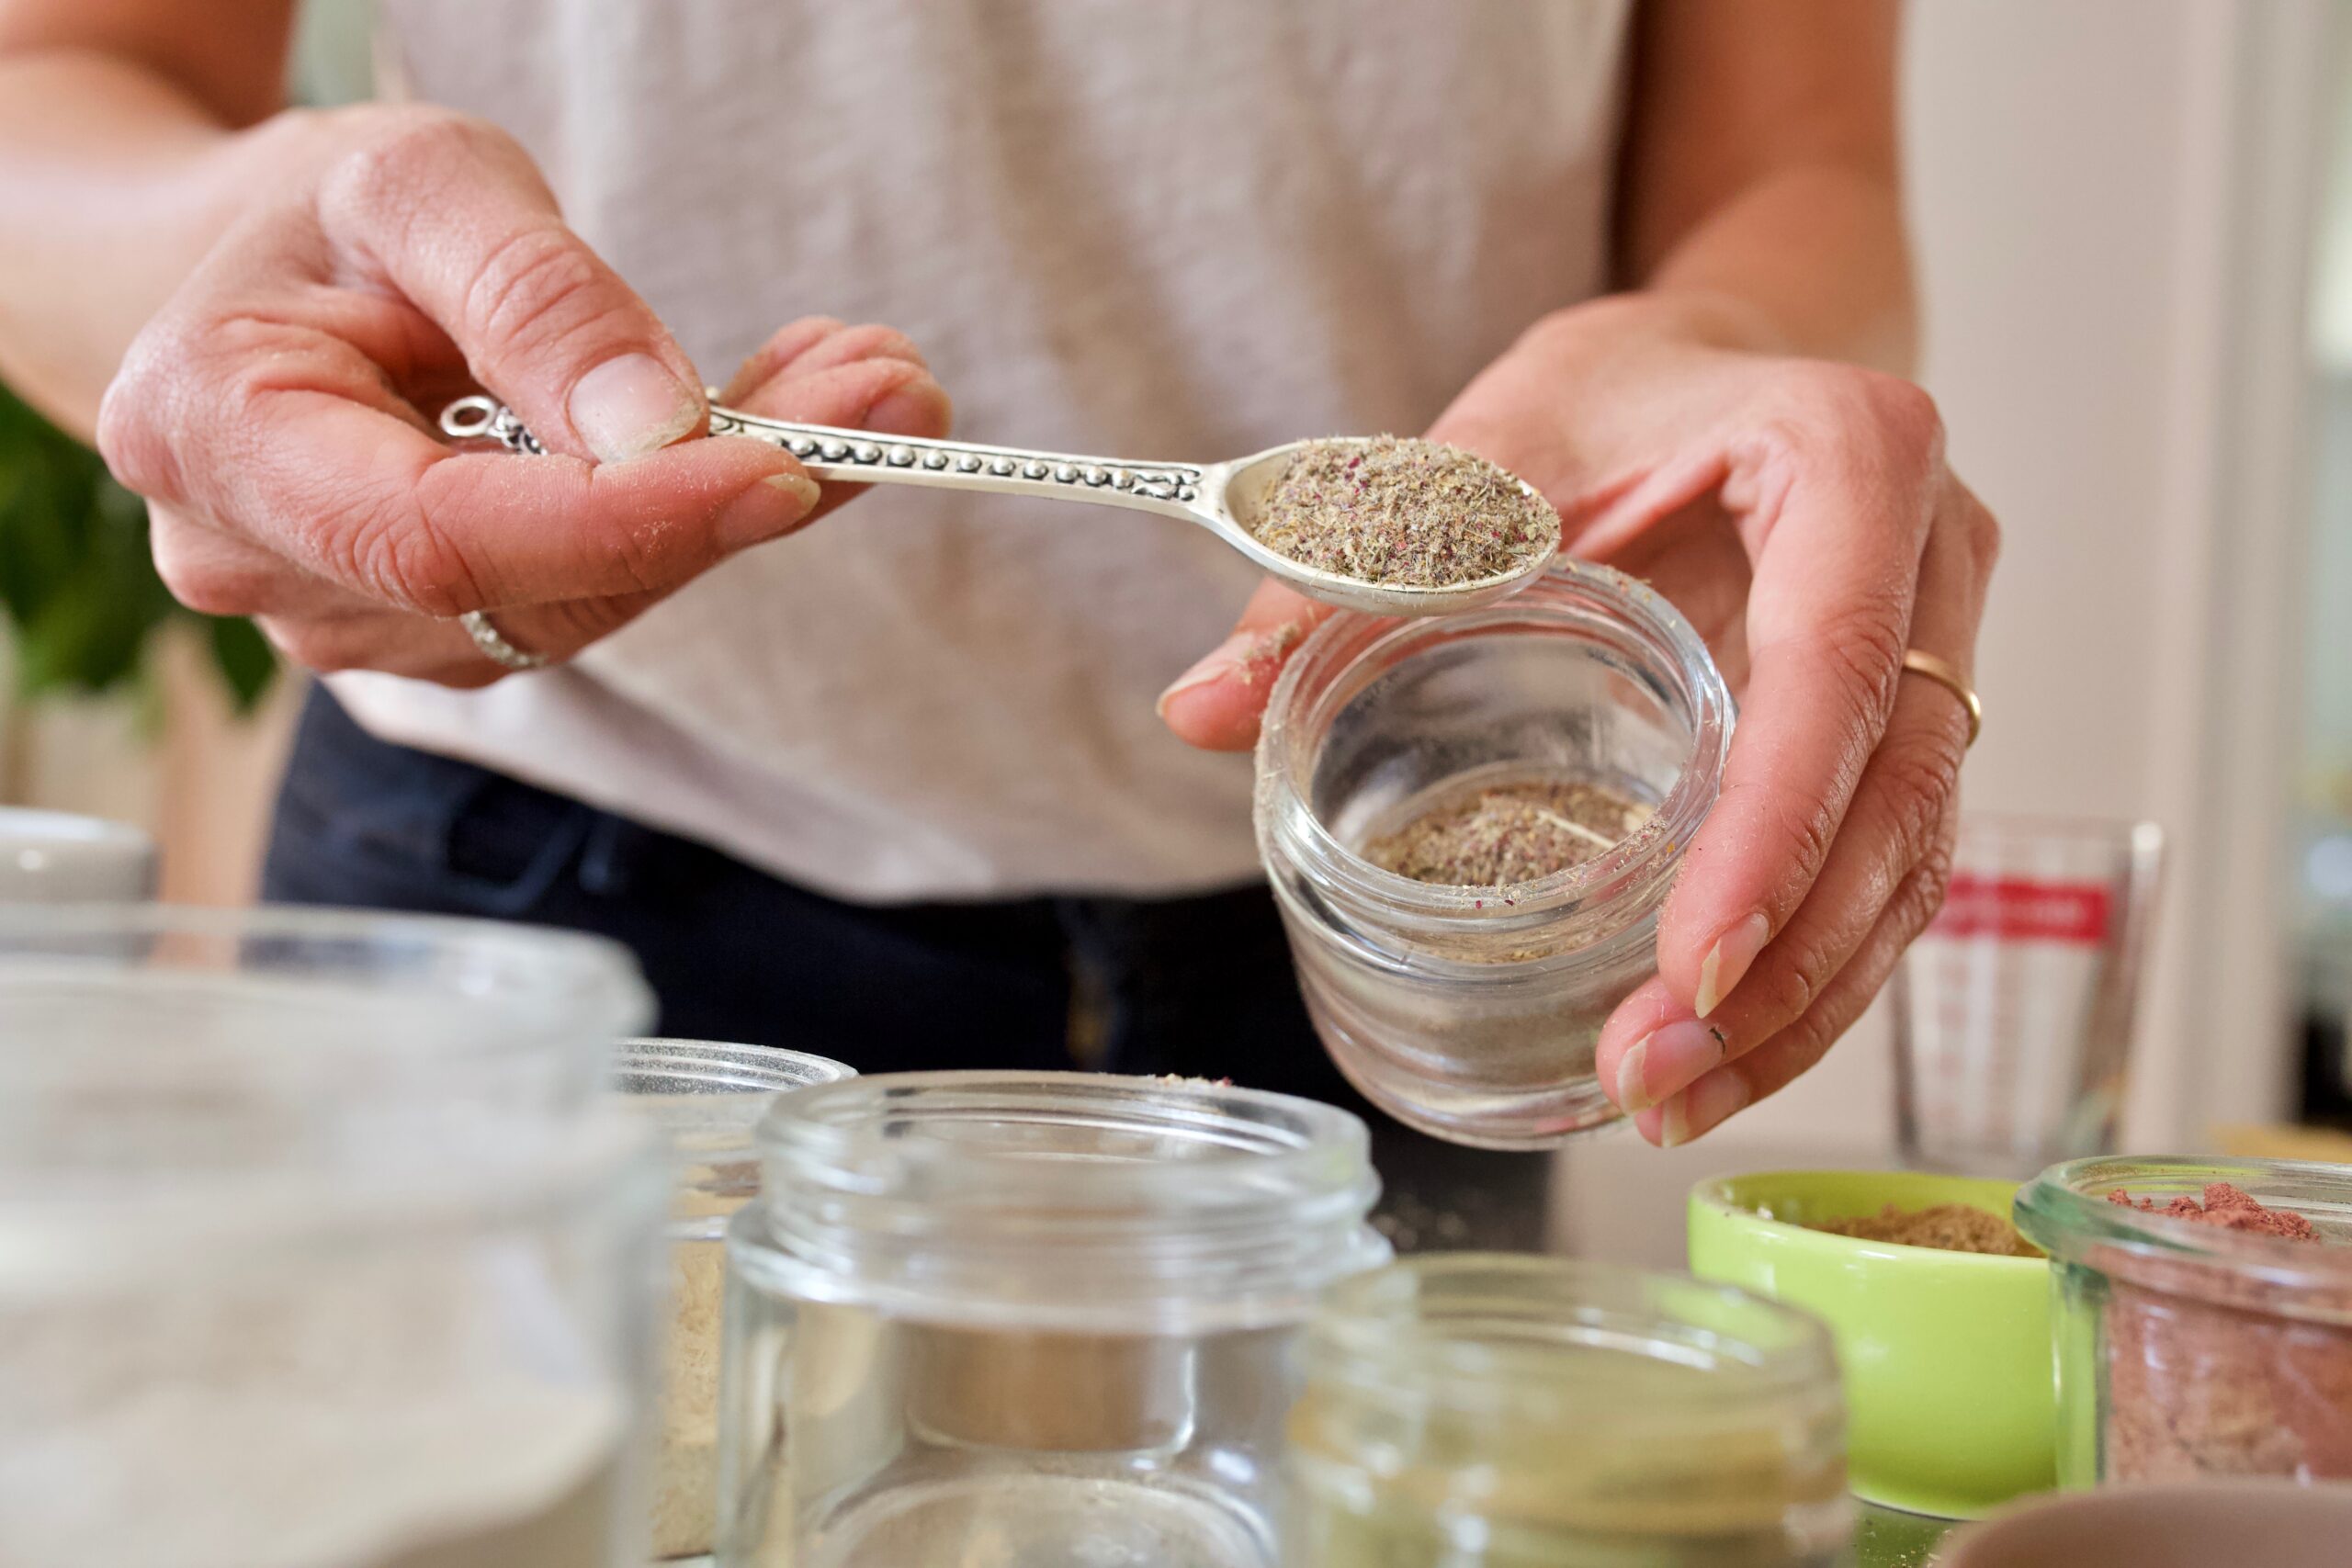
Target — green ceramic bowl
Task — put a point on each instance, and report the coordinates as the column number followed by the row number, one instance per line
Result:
column 1945, row 1355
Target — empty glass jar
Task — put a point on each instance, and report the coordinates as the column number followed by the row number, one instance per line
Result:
column 1480, row 1410
column 1026, row 1318
column 1473, row 1012
column 707, row 1097
column 315, row 1252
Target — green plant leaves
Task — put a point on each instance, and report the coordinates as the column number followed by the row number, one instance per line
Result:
column 76, row 581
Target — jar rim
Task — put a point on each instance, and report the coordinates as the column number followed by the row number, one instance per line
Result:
column 710, row 1095
column 1315, row 685
column 510, row 1172
column 662, row 1065
column 2066, row 1213
column 1473, row 1332
column 2138, row 835
column 1078, row 1196
column 546, row 984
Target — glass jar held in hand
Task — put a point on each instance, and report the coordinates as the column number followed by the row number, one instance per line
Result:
column 1470, row 824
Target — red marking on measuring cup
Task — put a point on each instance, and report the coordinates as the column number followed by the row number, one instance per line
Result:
column 2019, row 909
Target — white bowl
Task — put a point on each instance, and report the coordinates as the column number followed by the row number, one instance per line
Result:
column 55, row 857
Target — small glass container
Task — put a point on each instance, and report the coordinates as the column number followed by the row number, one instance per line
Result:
column 707, row 1097
column 1472, row 1014
column 311, row 1255
column 1483, row 1410
column 2187, row 1349
column 1026, row 1318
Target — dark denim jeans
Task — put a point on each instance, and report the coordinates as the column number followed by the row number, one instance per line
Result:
column 1196, row 985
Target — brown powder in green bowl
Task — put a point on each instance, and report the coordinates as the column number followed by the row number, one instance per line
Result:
column 1406, row 513
column 1947, row 1227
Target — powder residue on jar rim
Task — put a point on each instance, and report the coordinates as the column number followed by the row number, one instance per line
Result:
column 1405, row 513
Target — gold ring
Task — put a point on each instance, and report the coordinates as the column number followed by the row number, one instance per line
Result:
column 1942, row 672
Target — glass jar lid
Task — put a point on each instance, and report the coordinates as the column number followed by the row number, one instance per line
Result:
column 1078, row 1201
column 2066, row 1212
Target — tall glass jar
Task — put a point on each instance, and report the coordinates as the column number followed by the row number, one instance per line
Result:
column 2187, row 1349
column 314, row 1252
column 1026, row 1318
column 1472, row 1410
column 1473, row 1012
column 707, row 1097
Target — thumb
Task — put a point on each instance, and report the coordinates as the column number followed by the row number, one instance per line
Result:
column 1216, row 703
column 452, row 214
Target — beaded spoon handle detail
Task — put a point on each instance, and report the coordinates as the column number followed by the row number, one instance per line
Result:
column 1224, row 498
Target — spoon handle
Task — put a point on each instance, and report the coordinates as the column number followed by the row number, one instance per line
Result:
column 861, row 457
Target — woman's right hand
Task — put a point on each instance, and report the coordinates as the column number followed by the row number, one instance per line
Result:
column 277, row 412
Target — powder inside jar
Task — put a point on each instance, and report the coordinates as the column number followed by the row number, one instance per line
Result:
column 2214, row 1368
column 1502, row 834
column 1947, row 1227
column 2227, row 1207
column 1405, row 513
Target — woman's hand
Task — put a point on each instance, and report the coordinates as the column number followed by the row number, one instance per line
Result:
column 277, row 412
column 1801, row 514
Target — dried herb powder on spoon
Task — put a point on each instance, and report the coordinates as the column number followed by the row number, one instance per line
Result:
column 1405, row 513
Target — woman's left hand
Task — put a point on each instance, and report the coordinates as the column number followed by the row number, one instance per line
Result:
column 1800, row 512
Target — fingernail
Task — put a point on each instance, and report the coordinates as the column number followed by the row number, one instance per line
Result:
column 1220, row 663
column 1729, row 960
column 1248, row 657
column 776, row 505
column 1664, row 1061
column 630, row 406
column 1703, row 1106
column 799, row 487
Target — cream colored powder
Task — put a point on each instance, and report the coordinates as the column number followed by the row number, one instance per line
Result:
column 686, row 1465
column 370, row 1413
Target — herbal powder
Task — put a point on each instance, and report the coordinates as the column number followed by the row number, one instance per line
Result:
column 1504, row 834
column 1405, row 513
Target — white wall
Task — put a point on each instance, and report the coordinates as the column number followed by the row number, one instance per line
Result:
column 2089, row 184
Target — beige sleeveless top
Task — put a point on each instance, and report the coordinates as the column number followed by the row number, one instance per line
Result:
column 1180, row 228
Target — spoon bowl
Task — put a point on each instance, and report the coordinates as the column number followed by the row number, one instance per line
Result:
column 1228, row 498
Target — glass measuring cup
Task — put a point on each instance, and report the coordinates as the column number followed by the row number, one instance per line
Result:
column 2013, row 1010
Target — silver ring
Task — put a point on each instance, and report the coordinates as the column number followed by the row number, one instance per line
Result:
column 496, row 649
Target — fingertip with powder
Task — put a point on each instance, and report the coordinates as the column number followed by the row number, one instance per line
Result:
column 631, row 406
column 772, row 506
column 1247, row 658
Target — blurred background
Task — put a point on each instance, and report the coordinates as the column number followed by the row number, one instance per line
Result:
column 2134, row 231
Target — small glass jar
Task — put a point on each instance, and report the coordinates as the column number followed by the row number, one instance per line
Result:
column 707, row 1097
column 309, row 1254
column 2188, row 1349
column 1472, row 1014
column 1483, row 1410
column 1045, row 1316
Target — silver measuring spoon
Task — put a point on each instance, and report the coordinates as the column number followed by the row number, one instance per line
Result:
column 1224, row 498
